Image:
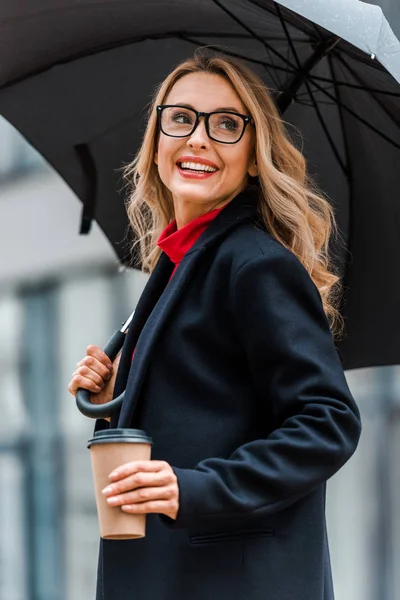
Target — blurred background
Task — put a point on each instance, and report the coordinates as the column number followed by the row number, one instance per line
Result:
column 60, row 292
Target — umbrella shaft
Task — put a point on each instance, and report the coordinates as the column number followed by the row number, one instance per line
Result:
column 286, row 96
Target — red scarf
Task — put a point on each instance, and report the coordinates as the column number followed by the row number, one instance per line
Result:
column 176, row 242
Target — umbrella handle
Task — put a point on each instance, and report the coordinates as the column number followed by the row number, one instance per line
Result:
column 108, row 409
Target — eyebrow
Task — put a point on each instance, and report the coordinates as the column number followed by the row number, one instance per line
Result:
column 222, row 108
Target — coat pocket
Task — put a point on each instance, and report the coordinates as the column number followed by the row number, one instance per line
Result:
column 229, row 536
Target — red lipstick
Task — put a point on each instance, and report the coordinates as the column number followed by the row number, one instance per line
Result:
column 192, row 174
column 197, row 159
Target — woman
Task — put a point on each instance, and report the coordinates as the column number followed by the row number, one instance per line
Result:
column 235, row 374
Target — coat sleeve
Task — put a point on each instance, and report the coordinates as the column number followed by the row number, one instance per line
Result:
column 293, row 362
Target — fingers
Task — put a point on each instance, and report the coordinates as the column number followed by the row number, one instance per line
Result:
column 150, row 466
column 92, row 372
column 98, row 353
column 140, row 480
column 79, row 381
column 161, row 507
column 104, row 369
column 146, row 494
column 144, row 487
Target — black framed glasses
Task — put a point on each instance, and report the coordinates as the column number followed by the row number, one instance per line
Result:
column 226, row 127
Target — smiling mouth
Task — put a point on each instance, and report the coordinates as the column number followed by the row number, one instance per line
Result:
column 192, row 167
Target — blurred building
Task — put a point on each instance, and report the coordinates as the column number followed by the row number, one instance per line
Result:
column 58, row 293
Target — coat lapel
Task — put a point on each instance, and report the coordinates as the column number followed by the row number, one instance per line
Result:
column 151, row 293
column 156, row 304
column 145, row 342
column 148, row 299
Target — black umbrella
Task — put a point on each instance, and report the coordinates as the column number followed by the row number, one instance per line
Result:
column 75, row 79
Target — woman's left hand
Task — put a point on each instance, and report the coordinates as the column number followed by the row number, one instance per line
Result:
column 146, row 486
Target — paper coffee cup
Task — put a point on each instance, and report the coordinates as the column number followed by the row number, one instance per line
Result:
column 109, row 449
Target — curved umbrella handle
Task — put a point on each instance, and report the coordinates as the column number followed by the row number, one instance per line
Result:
column 108, row 409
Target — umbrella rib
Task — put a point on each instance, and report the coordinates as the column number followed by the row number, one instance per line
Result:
column 290, row 42
column 127, row 42
column 349, row 232
column 243, row 36
column 311, row 95
column 320, row 102
column 326, row 130
column 308, row 102
column 252, row 33
column 356, row 87
column 350, row 111
column 303, row 73
column 317, row 30
column 341, row 117
column 361, row 56
column 345, row 141
column 288, row 38
column 328, row 87
column 286, row 32
column 356, row 76
column 256, row 61
column 258, row 4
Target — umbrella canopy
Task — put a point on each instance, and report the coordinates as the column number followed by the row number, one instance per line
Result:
column 391, row 10
column 363, row 25
column 77, row 77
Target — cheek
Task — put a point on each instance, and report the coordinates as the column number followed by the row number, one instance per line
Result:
column 237, row 163
column 166, row 150
column 162, row 153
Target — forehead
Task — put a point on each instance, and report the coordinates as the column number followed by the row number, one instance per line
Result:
column 205, row 92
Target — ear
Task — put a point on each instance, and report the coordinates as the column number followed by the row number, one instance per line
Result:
column 156, row 158
column 253, row 167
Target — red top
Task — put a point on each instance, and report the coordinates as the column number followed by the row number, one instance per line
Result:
column 176, row 242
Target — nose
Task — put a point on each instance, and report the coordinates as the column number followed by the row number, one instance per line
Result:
column 199, row 138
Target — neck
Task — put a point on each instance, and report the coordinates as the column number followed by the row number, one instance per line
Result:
column 187, row 212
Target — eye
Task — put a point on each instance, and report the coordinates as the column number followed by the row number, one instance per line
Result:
column 227, row 123
column 182, row 117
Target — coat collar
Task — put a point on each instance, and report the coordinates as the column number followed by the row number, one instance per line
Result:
column 242, row 207
column 159, row 298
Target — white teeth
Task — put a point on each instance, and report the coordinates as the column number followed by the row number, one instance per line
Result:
column 197, row 167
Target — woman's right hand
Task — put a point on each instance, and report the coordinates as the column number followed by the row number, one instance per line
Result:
column 95, row 373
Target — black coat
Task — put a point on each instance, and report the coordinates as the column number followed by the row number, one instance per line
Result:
column 238, row 381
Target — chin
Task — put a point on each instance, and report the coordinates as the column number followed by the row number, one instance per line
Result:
column 194, row 193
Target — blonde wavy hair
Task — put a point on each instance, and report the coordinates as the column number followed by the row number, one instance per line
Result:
column 294, row 211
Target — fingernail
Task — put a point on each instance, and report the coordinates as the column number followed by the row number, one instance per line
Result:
column 107, row 490
column 109, row 366
column 112, row 500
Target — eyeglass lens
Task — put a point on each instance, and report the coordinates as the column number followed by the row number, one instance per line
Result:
column 179, row 122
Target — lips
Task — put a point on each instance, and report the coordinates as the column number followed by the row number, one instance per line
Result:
column 194, row 173
column 196, row 164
